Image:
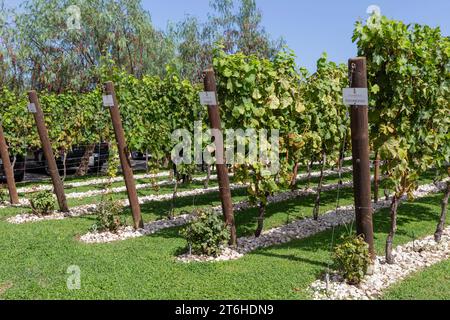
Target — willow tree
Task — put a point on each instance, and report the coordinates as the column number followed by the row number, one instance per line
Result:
column 60, row 42
column 236, row 25
column 12, row 60
column 239, row 29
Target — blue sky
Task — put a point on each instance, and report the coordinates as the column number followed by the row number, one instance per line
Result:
column 311, row 27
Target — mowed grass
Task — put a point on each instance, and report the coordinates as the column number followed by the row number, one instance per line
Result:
column 34, row 257
column 430, row 284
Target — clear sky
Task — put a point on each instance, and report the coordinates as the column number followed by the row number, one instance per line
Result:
column 311, row 27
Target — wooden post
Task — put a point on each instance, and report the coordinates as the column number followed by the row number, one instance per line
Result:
column 58, row 187
column 361, row 161
column 221, row 166
column 124, row 156
column 8, row 169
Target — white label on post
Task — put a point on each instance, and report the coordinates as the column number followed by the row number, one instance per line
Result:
column 108, row 101
column 356, row 96
column 208, row 98
column 32, row 108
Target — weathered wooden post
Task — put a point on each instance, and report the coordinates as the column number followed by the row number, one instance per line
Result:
column 8, row 169
column 110, row 101
column 221, row 166
column 360, row 150
column 58, row 187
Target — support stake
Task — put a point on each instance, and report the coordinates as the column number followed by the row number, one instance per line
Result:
column 361, row 161
column 221, row 166
column 8, row 169
column 48, row 152
column 124, row 156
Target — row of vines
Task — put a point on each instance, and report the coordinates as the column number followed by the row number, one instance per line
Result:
column 409, row 74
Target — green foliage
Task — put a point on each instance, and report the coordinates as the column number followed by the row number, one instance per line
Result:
column 207, row 234
column 352, row 259
column 113, row 163
column 108, row 216
column 18, row 124
column 151, row 109
column 326, row 115
column 258, row 94
column 408, row 74
column 42, row 202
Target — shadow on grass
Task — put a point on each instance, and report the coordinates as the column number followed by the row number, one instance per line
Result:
column 411, row 212
column 294, row 209
column 293, row 258
column 162, row 208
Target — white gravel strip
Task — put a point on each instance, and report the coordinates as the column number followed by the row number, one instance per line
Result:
column 91, row 182
column 22, row 203
column 87, row 194
column 56, row 215
column 88, row 209
column 92, row 193
column 409, row 258
column 153, row 227
column 301, row 229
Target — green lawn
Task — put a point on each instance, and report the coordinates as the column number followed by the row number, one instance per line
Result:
column 431, row 284
column 34, row 257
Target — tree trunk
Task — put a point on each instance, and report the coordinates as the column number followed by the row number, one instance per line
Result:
column 186, row 178
column 319, row 188
column 376, row 181
column 173, row 173
column 441, row 225
column 84, row 164
column 386, row 194
column 389, row 242
column 146, row 162
column 166, row 162
column 208, row 176
column 309, row 169
column 174, row 196
column 262, row 213
column 294, row 176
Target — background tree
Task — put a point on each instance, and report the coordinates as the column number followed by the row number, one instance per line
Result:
column 235, row 25
column 56, row 54
column 240, row 29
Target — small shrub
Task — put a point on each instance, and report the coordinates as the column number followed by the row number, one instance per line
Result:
column 206, row 234
column 108, row 216
column 4, row 195
column 352, row 259
column 42, row 202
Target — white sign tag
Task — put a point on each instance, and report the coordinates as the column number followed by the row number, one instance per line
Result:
column 356, row 96
column 32, row 108
column 208, row 98
column 108, row 101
